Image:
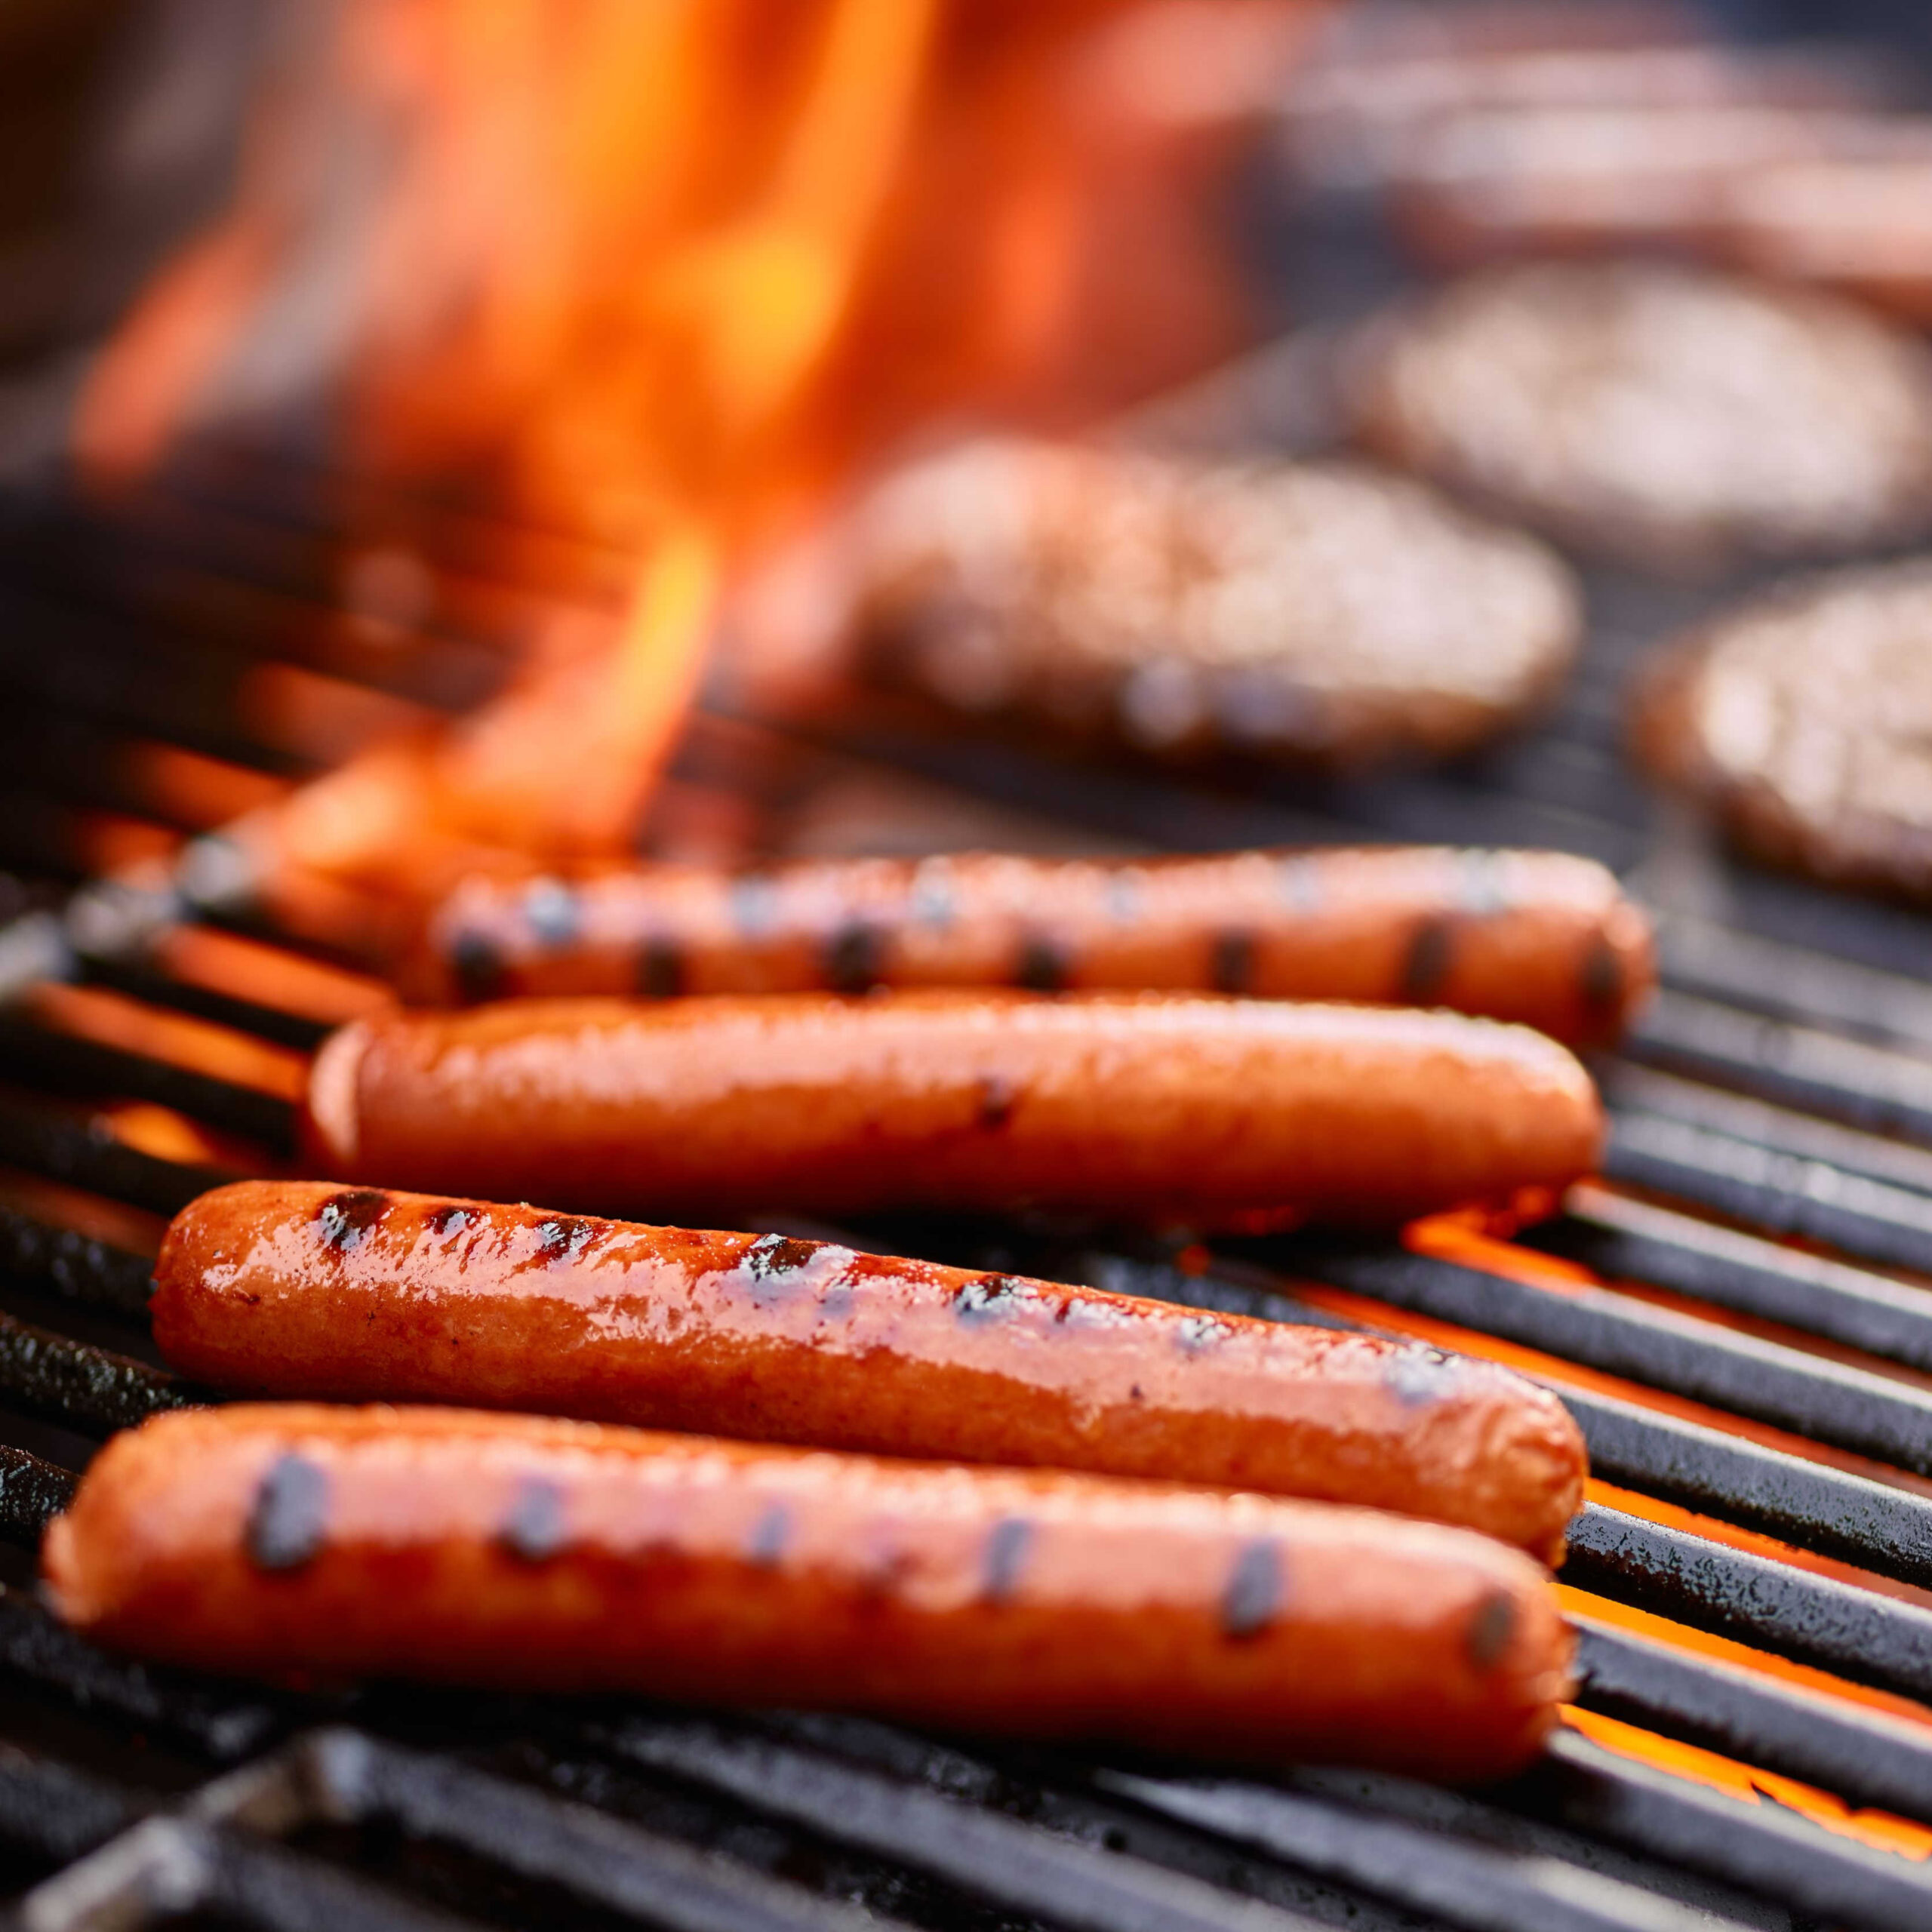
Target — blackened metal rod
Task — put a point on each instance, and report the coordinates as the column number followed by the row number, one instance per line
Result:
column 1783, row 1194
column 1872, row 1525
column 61, row 1262
column 1814, row 1620
column 65, row 1063
column 47, row 1143
column 1486, row 1888
column 995, row 1856
column 83, row 1388
column 1860, row 1755
column 32, row 1492
column 1874, row 1087
column 1763, row 1848
column 223, row 1722
column 1792, row 981
column 1890, row 1421
column 1642, row 1090
column 1633, row 1241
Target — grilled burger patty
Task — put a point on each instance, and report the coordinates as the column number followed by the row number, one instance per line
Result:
column 1318, row 612
column 1803, row 719
column 1659, row 412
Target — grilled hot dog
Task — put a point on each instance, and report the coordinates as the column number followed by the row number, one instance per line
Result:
column 1184, row 1108
column 548, row 1555
column 293, row 1289
column 1541, row 938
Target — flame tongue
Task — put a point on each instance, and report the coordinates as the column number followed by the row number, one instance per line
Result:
column 662, row 276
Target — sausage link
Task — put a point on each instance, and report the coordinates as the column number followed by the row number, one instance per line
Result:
column 1540, row 938
column 1146, row 1105
column 294, row 1289
column 537, row 1554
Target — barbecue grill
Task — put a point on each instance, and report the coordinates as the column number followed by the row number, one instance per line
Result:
column 1739, row 1312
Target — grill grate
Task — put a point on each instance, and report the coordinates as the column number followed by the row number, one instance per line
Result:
column 1735, row 1312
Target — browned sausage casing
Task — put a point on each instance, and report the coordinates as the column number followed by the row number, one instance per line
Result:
column 550, row 1556
column 294, row 1289
column 1193, row 1109
column 1540, row 938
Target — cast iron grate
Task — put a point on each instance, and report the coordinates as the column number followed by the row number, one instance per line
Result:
column 1740, row 1312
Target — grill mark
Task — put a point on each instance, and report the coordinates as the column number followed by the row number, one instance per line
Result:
column 855, row 958
column 562, row 1237
column 660, row 969
column 997, row 1096
column 1253, row 1597
column 1601, row 981
column 477, row 966
column 765, row 1545
column 536, row 1526
column 1007, row 1543
column 779, row 1254
column 1489, row 1631
column 288, row 1521
column 1232, row 971
column 986, row 1297
column 345, row 1219
column 1042, row 967
column 448, row 1220
column 553, row 912
column 1426, row 967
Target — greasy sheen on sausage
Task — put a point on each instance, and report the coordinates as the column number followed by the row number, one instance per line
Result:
column 293, row 1289
column 517, row 1551
column 1168, row 1108
column 1543, row 939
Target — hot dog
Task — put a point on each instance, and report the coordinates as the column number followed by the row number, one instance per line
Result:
column 1541, row 938
column 548, row 1555
column 294, row 1289
column 1187, row 1109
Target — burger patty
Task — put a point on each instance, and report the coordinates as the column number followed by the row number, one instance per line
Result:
column 1677, row 417
column 1804, row 719
column 1317, row 613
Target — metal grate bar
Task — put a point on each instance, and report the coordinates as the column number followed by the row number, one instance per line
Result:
column 65, row 1063
column 86, row 1388
column 1642, row 1090
column 1874, row 1087
column 1783, row 1194
column 1792, row 981
column 1882, row 1529
column 1857, row 1634
column 619, row 1866
column 86, row 1156
column 1864, row 1757
column 222, row 1722
column 33, row 1492
column 1628, row 1240
column 1770, row 1851
column 1871, row 1414
column 56, row 1810
column 60, row 1261
column 993, row 1856
column 1483, row 1887
column 167, row 1868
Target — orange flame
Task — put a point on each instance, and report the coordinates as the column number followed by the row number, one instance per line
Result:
column 665, row 276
